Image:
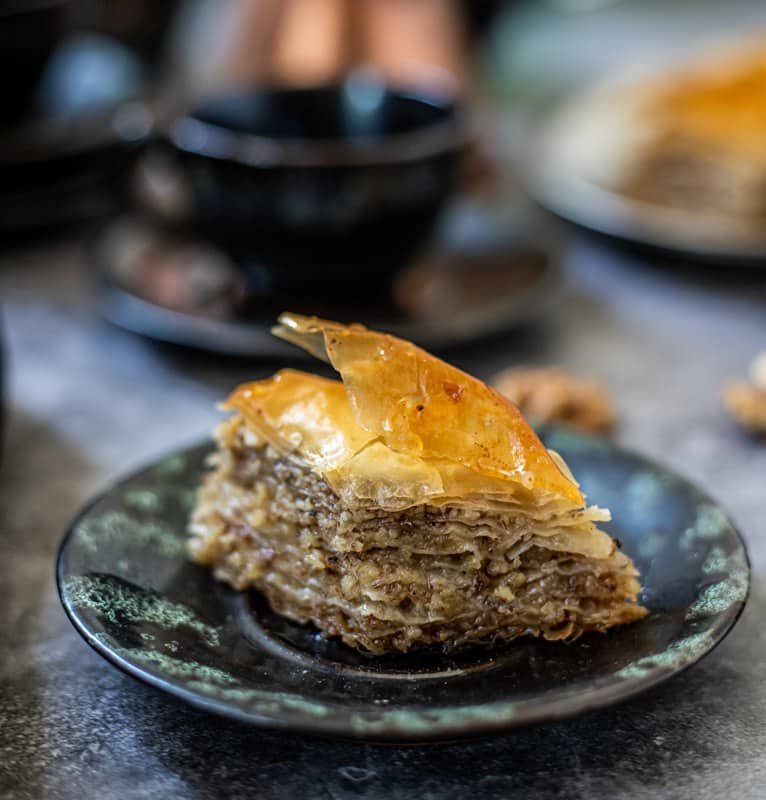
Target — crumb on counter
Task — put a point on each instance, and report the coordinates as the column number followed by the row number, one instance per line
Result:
column 745, row 400
column 746, row 404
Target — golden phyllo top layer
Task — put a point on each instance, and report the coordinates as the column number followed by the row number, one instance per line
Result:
column 403, row 427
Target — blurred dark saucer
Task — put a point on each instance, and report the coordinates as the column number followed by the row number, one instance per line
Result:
column 85, row 121
column 185, row 291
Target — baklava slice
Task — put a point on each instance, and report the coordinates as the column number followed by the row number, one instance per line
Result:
column 407, row 504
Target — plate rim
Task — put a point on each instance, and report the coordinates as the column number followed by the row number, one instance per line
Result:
column 574, row 200
column 472, row 719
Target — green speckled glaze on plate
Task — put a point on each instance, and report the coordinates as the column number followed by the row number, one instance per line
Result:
column 130, row 591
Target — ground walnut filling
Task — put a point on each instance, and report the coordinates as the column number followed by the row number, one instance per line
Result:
column 388, row 580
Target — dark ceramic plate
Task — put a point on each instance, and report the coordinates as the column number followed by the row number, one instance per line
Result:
column 130, row 591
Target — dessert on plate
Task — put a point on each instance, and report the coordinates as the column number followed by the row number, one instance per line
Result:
column 406, row 504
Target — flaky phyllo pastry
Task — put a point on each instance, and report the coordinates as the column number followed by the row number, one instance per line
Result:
column 408, row 504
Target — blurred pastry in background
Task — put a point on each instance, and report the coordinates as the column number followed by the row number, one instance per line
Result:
column 553, row 395
column 670, row 154
column 705, row 142
column 745, row 400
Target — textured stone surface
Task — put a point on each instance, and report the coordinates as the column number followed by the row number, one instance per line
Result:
column 88, row 403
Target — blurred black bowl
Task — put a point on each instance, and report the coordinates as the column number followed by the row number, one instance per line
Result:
column 312, row 188
column 29, row 32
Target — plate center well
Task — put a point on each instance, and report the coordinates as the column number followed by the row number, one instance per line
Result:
column 307, row 646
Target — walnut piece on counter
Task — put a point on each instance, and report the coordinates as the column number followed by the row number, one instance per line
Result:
column 553, row 395
column 746, row 403
column 745, row 400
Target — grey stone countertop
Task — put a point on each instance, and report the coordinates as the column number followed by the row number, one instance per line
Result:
column 88, row 403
